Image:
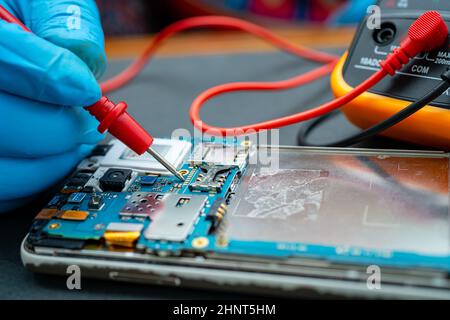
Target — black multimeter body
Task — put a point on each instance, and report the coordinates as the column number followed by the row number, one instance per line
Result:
column 431, row 125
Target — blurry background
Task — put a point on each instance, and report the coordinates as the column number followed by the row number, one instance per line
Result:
column 125, row 17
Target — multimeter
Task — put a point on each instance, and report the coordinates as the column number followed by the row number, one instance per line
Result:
column 431, row 125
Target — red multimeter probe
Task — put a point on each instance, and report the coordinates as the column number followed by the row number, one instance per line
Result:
column 427, row 33
column 114, row 118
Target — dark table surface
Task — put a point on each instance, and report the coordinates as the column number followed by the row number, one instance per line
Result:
column 160, row 99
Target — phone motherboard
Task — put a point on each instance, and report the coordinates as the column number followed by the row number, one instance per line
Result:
column 317, row 212
column 116, row 200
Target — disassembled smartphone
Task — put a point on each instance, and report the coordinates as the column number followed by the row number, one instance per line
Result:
column 340, row 222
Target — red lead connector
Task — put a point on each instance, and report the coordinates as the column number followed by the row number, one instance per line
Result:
column 114, row 119
column 426, row 34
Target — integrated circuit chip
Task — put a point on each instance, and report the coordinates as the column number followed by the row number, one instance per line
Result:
column 77, row 197
column 148, row 180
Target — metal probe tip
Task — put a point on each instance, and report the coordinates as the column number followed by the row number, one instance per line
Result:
column 165, row 163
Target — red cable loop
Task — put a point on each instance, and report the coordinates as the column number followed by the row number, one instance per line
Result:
column 428, row 25
column 218, row 21
column 211, row 22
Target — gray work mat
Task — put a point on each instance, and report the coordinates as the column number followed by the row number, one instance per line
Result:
column 160, row 98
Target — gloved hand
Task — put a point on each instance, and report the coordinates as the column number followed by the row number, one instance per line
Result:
column 46, row 77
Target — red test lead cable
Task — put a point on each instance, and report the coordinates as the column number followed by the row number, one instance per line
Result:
column 427, row 33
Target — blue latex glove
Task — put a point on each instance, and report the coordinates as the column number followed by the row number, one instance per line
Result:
column 45, row 78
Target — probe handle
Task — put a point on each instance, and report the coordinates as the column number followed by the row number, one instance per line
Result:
column 429, row 32
column 114, row 118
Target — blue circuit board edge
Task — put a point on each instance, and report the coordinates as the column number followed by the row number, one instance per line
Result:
column 93, row 228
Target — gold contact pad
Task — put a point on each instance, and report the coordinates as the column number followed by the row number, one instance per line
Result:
column 74, row 215
column 121, row 238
